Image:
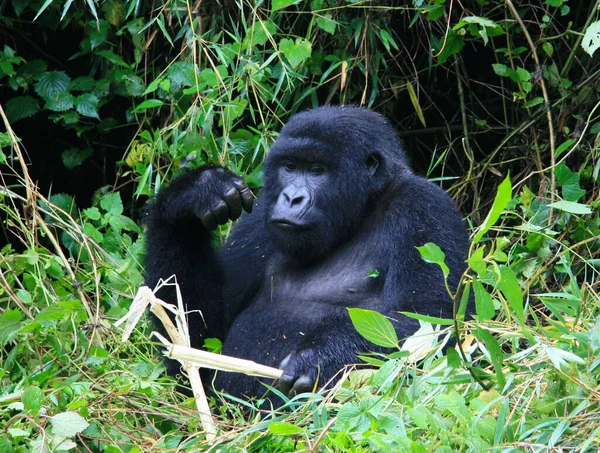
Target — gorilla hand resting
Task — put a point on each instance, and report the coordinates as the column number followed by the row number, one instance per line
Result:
column 339, row 200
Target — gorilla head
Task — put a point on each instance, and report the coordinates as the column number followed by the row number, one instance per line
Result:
column 344, row 155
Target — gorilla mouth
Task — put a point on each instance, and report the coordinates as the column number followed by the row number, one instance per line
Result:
column 288, row 225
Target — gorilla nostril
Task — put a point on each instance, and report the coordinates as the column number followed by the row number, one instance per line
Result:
column 296, row 201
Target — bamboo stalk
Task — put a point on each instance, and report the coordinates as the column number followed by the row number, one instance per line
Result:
column 220, row 362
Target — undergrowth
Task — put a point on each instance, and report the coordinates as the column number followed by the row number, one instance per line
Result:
column 497, row 101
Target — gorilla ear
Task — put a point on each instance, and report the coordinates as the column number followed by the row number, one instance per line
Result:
column 372, row 163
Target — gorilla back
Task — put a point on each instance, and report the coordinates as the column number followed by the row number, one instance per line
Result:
column 339, row 201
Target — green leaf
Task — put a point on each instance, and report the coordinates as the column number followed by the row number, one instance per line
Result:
column 51, row 83
column 283, row 428
column 503, row 196
column 92, row 213
column 73, row 157
column 569, row 180
column 571, row 207
column 83, row 83
column 64, row 309
column 484, row 306
column 61, row 102
column 21, row 107
column 374, row 327
column 533, row 102
column 509, row 285
column 10, row 324
column 68, row 424
column 280, row 4
column 33, row 400
column 496, row 354
column 148, row 104
column 432, row 253
column 561, row 358
column 429, row 319
column 213, row 345
column 87, row 105
column 181, row 73
column 452, row 44
column 482, row 21
column 134, row 85
column 296, row 53
column 326, row 23
column 112, row 203
column 591, row 38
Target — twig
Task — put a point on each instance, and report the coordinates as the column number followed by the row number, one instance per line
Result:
column 538, row 70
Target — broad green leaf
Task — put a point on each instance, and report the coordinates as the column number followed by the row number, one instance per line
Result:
column 83, row 83
column 374, row 327
column 68, row 424
column 134, row 85
column 569, row 181
column 60, row 102
column 484, row 306
column 452, row 44
column 296, row 52
column 51, row 83
column 21, row 107
column 87, row 105
column 326, row 23
column 181, row 73
column 64, row 309
column 571, row 207
column 432, row 253
column 509, row 285
column 112, row 203
column 283, row 428
column 591, row 38
column 280, row 4
column 73, row 157
column 500, row 69
column 10, row 323
column 33, row 400
column 260, row 33
column 503, row 196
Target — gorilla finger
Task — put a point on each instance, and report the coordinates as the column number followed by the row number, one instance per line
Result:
column 221, row 213
column 302, row 385
column 247, row 199
column 245, row 193
column 233, row 200
column 286, row 382
column 208, row 220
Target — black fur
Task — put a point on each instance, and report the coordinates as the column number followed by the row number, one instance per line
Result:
column 339, row 201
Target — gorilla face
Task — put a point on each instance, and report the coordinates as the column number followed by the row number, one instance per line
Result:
column 313, row 204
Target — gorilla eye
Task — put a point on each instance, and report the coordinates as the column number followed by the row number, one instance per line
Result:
column 317, row 169
column 289, row 166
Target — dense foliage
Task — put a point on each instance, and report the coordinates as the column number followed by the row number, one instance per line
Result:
column 104, row 102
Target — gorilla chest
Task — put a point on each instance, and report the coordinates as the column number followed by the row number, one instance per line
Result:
column 345, row 282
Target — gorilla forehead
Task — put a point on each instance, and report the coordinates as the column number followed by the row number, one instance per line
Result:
column 339, row 131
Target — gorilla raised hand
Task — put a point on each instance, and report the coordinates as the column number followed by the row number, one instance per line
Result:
column 339, row 201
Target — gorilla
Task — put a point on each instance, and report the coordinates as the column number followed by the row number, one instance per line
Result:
column 339, row 205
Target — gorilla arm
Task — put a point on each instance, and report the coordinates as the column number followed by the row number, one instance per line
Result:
column 179, row 240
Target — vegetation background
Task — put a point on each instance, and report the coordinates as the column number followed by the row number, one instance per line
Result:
column 103, row 102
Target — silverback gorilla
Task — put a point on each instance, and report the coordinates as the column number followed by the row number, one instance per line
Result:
column 339, row 200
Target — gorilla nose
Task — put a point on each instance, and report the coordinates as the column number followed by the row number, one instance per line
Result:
column 294, row 198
